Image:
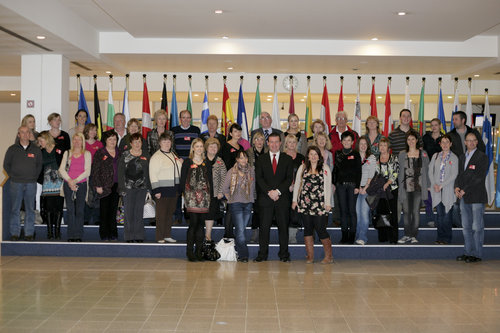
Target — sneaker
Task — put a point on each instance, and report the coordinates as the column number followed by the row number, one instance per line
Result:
column 360, row 242
column 431, row 224
column 404, row 239
column 170, row 240
column 161, row 241
column 413, row 240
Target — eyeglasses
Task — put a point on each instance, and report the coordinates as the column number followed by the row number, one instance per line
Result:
column 341, row 118
column 267, row 117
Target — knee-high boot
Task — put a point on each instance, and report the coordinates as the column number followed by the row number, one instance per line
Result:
column 327, row 247
column 57, row 218
column 309, row 242
column 47, row 219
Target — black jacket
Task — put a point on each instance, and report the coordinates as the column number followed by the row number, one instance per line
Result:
column 266, row 180
column 472, row 179
column 456, row 141
column 23, row 165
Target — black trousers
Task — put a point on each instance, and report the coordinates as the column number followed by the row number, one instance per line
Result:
column 195, row 234
column 315, row 223
column 109, row 205
column 391, row 234
column 281, row 212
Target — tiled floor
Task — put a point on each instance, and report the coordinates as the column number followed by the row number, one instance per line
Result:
column 53, row 294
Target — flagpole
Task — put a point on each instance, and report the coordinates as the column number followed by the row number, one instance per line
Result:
column 440, row 81
column 408, row 106
column 78, row 89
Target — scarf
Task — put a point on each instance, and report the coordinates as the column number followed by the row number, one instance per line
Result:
column 444, row 160
column 243, row 182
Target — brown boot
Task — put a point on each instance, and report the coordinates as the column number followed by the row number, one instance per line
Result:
column 327, row 247
column 309, row 242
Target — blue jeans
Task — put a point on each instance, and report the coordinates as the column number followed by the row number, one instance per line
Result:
column 75, row 210
column 363, row 213
column 241, row 215
column 444, row 232
column 18, row 192
column 473, row 228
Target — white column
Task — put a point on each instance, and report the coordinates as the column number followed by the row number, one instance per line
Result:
column 45, row 87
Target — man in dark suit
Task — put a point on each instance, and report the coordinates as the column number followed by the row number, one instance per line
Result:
column 470, row 189
column 266, row 129
column 273, row 174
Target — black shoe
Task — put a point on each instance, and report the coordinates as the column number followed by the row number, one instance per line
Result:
column 14, row 238
column 243, row 259
column 285, row 259
column 463, row 257
column 29, row 238
column 472, row 259
column 259, row 259
column 191, row 257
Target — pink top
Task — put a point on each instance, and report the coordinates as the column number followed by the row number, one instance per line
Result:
column 92, row 148
column 77, row 167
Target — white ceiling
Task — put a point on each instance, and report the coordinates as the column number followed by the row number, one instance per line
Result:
column 443, row 20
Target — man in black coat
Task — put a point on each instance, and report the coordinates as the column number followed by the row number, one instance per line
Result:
column 266, row 129
column 458, row 134
column 273, row 175
column 470, row 189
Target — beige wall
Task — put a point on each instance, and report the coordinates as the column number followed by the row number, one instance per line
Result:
column 10, row 120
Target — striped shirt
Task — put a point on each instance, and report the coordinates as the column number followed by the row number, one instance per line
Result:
column 397, row 139
column 183, row 139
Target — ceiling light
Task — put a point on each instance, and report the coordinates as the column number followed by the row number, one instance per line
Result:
column 225, row 37
column 401, row 13
column 450, row 97
column 216, row 99
column 108, row 72
column 218, row 11
column 270, row 96
column 269, row 99
column 374, row 38
column 411, row 100
column 302, row 100
column 12, row 94
column 230, row 68
column 476, row 75
column 379, row 97
column 305, row 96
column 196, row 95
column 40, row 37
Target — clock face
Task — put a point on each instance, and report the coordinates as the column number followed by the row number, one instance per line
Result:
column 287, row 82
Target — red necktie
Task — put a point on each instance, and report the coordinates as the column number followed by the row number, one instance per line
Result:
column 274, row 164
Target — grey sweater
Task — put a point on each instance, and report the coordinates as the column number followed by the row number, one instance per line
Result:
column 23, row 165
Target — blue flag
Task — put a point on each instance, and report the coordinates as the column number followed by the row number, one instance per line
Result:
column 82, row 104
column 497, row 195
column 242, row 115
column 488, row 142
column 204, row 114
column 174, row 117
column 441, row 111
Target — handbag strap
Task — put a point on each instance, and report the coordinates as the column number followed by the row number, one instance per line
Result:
column 148, row 197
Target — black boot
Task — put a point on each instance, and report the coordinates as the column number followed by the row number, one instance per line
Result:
column 47, row 219
column 57, row 218
column 345, row 237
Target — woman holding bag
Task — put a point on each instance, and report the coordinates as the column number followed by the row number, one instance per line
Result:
column 165, row 173
column 133, row 185
column 443, row 169
column 312, row 198
column 75, row 170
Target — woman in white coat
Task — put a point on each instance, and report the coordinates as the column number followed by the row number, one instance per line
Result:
column 443, row 169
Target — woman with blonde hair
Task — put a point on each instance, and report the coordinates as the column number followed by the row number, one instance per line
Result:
column 30, row 122
column 133, row 126
column 51, row 202
column 373, row 136
column 323, row 143
column 75, row 170
column 196, row 185
column 160, row 119
column 294, row 129
column 317, row 126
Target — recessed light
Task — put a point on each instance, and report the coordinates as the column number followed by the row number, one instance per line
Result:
column 305, row 96
column 269, row 99
column 401, row 13
column 12, row 94
column 216, row 99
column 379, row 97
column 196, row 95
column 270, row 96
column 301, row 99
column 218, row 11
column 230, row 68
column 40, row 37
column 450, row 97
column 108, row 72
column 225, row 37
column 411, row 100
column 476, row 75
column 374, row 38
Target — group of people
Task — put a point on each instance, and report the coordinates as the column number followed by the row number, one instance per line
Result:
column 277, row 177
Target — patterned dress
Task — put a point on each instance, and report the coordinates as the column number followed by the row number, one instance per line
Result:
column 311, row 196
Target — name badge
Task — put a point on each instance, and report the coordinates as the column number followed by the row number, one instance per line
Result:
column 143, row 158
column 31, row 155
column 105, row 157
column 58, row 151
column 60, row 137
column 350, row 157
column 187, row 138
column 472, row 167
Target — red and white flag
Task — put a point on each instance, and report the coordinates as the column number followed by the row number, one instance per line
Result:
column 388, row 125
column 373, row 100
column 146, row 113
column 325, row 108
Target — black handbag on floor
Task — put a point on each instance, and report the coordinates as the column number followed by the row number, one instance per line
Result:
column 209, row 252
column 382, row 218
